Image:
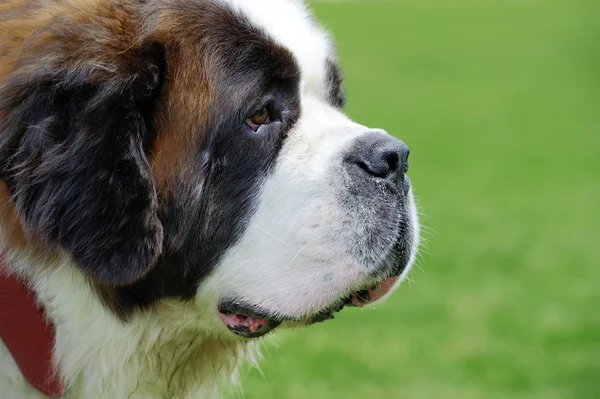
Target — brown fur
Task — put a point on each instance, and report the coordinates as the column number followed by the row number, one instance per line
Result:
column 15, row 236
column 106, row 37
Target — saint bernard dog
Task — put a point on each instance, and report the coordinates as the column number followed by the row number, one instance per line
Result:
column 177, row 179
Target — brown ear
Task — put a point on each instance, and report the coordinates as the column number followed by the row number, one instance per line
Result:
column 74, row 135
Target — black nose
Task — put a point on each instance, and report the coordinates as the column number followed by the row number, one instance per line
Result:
column 382, row 156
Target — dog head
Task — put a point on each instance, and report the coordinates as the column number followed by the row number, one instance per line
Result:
column 198, row 150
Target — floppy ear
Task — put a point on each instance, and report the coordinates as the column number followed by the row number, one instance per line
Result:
column 74, row 135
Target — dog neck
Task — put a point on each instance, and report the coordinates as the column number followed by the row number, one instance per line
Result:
column 166, row 351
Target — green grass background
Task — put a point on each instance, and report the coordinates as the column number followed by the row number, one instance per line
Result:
column 499, row 102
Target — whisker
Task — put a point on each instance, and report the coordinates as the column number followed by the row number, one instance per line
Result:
column 272, row 235
column 297, row 253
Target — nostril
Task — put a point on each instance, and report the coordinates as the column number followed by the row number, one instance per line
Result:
column 377, row 169
column 392, row 159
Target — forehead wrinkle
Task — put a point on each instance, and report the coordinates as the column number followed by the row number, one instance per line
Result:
column 288, row 23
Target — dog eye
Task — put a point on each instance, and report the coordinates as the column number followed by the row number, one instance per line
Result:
column 261, row 117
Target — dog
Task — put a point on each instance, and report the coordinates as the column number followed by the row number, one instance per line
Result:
column 178, row 179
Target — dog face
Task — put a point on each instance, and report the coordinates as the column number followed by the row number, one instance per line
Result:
column 198, row 150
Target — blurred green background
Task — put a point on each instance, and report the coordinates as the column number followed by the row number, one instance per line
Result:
column 499, row 102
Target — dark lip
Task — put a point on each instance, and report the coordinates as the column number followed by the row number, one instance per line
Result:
column 245, row 309
column 327, row 314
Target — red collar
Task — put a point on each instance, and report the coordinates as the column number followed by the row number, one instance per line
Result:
column 27, row 335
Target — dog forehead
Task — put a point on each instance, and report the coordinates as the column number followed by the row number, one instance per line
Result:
column 289, row 24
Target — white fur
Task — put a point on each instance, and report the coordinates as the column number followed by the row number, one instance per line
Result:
column 171, row 351
column 12, row 382
column 292, row 260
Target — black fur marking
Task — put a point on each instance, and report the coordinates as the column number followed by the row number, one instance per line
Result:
column 209, row 210
column 72, row 152
column 334, row 84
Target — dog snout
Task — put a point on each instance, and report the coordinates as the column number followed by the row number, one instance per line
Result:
column 379, row 156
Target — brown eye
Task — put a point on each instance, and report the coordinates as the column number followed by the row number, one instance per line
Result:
column 260, row 117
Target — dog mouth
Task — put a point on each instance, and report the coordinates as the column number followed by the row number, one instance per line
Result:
column 246, row 320
column 249, row 321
